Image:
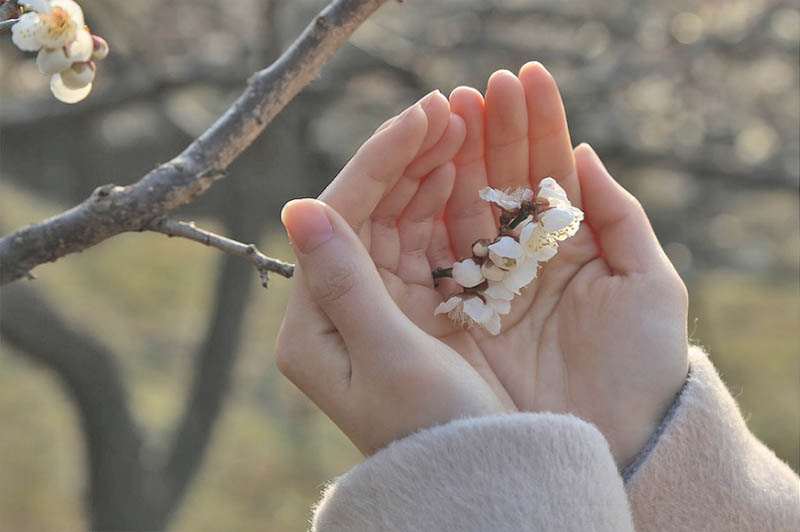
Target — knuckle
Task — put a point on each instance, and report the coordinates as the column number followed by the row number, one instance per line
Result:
column 337, row 282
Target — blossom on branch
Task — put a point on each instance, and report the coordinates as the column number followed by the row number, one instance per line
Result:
column 66, row 49
column 531, row 226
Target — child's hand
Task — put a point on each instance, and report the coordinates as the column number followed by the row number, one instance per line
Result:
column 602, row 332
column 344, row 342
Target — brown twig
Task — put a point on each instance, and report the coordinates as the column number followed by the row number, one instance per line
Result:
column 112, row 210
column 249, row 252
column 9, row 10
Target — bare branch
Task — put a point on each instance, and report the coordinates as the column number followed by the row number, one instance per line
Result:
column 6, row 25
column 249, row 252
column 111, row 209
column 8, row 11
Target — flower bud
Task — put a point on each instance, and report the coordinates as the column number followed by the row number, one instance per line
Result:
column 481, row 248
column 79, row 75
column 492, row 271
column 101, row 48
column 467, row 273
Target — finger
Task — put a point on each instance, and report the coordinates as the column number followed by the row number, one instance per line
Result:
column 384, row 238
column 468, row 217
column 380, row 162
column 436, row 108
column 550, row 149
column 309, row 351
column 340, row 275
column 396, row 200
column 416, row 225
column 444, row 150
column 506, row 132
column 623, row 232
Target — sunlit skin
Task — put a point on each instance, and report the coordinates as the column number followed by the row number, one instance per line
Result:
column 601, row 333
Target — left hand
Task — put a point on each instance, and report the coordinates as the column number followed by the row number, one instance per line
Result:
column 343, row 341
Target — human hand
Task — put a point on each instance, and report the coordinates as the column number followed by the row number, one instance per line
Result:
column 602, row 332
column 344, row 342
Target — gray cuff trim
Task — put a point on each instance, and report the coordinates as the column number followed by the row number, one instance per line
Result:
column 629, row 471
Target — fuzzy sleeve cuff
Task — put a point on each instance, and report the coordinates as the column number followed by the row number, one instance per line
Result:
column 706, row 470
column 516, row 472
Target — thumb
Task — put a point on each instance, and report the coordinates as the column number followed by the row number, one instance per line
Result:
column 339, row 273
column 619, row 222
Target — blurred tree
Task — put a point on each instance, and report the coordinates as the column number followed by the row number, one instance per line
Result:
column 694, row 105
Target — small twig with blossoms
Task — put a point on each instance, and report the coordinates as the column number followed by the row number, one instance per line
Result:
column 531, row 226
column 66, row 49
column 249, row 252
column 112, row 210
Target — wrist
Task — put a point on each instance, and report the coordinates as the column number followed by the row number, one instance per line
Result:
column 632, row 450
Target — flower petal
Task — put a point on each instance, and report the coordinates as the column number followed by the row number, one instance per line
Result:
column 527, row 233
column 81, row 49
column 507, row 247
column 492, row 271
column 467, row 273
column 72, row 9
column 556, row 219
column 493, row 325
column 550, row 190
column 41, row 6
column 545, row 251
column 508, row 201
column 521, row 276
column 497, row 290
column 50, row 61
column 478, row 310
column 501, row 306
column 65, row 94
column 446, row 306
column 25, row 32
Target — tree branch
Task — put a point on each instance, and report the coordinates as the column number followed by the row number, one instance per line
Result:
column 112, row 210
column 249, row 252
column 90, row 375
column 9, row 10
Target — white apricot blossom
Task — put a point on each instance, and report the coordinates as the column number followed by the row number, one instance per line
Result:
column 53, row 25
column 66, row 49
column 531, row 226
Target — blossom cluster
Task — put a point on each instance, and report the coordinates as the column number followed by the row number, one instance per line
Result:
column 531, row 226
column 67, row 51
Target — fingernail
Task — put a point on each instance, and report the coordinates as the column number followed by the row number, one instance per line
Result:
column 307, row 224
column 428, row 97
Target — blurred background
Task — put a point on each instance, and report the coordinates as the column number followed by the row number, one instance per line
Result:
column 142, row 370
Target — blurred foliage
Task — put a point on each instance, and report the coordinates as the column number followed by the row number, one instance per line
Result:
column 694, row 105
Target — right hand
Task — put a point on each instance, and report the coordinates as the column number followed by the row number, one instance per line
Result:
column 602, row 332
column 344, row 341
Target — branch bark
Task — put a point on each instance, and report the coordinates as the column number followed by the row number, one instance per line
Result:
column 249, row 252
column 111, row 210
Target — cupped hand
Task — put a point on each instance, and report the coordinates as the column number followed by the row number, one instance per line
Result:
column 602, row 332
column 344, row 341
